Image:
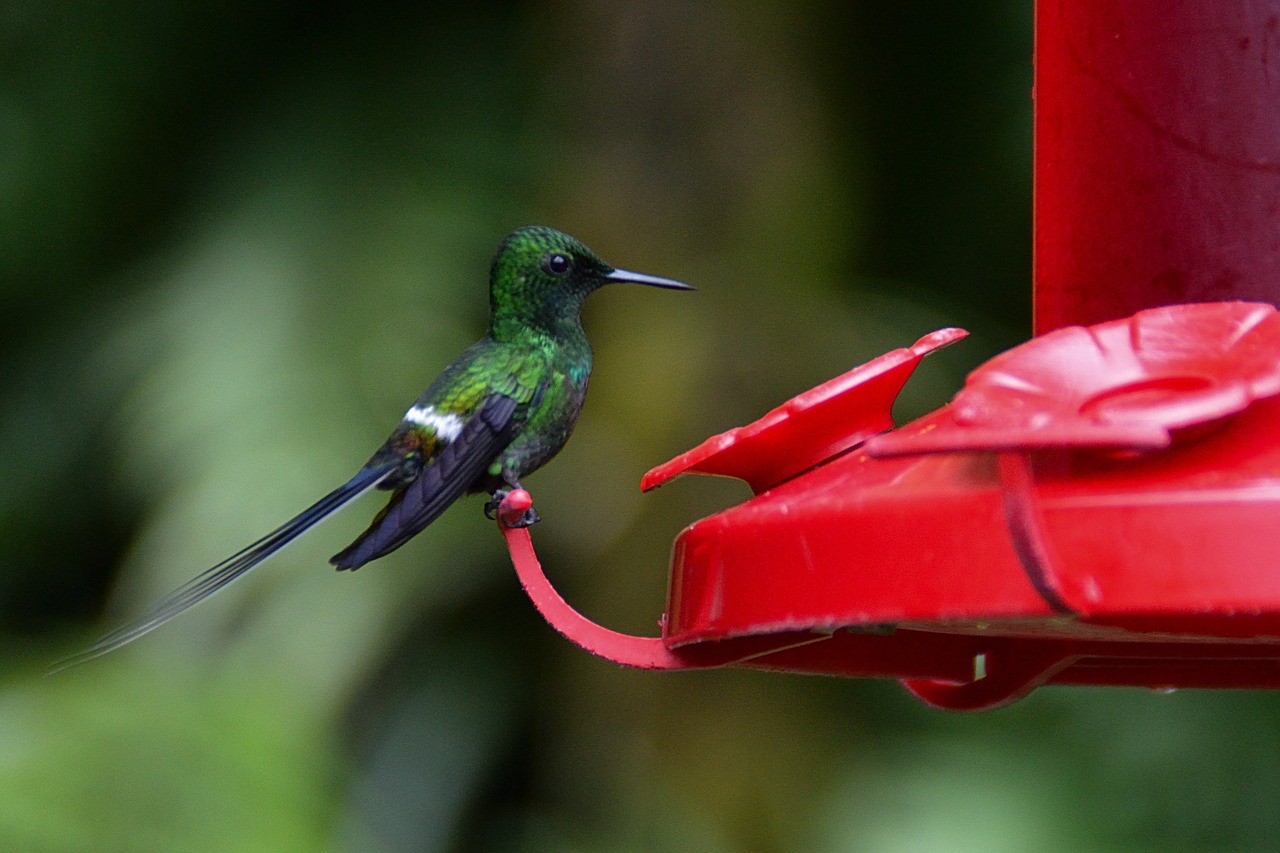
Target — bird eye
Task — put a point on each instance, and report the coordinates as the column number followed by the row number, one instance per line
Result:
column 557, row 264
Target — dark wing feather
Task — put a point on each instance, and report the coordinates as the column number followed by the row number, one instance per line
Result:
column 450, row 475
column 215, row 578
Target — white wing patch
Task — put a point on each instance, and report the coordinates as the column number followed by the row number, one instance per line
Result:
column 446, row 426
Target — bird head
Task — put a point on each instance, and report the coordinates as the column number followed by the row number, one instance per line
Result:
column 540, row 276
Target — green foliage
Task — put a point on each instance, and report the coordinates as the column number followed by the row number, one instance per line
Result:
column 143, row 759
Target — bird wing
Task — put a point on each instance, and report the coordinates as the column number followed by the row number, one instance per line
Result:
column 451, row 473
column 216, row 577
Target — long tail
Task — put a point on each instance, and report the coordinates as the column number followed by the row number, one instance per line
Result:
column 216, row 577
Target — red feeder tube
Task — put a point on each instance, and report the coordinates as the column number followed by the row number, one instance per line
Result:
column 1157, row 156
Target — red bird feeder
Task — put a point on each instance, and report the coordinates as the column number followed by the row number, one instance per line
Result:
column 1100, row 505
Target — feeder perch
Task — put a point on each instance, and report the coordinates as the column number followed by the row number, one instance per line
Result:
column 1100, row 505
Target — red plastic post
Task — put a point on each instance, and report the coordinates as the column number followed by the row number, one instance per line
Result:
column 624, row 649
column 1157, row 156
column 643, row 652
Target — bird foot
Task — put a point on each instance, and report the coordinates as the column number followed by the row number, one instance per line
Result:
column 514, row 512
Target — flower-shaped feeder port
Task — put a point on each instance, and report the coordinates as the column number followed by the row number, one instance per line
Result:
column 1097, row 506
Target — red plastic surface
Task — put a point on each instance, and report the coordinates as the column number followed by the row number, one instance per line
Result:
column 1064, row 564
column 625, row 649
column 1130, row 384
column 1157, row 156
column 810, row 428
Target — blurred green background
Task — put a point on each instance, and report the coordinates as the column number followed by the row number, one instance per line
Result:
column 236, row 240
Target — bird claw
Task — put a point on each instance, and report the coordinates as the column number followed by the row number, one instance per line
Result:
column 493, row 511
column 528, row 518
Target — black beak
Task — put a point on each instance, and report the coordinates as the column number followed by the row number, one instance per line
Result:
column 651, row 280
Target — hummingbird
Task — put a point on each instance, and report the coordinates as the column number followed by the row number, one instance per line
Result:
column 498, row 412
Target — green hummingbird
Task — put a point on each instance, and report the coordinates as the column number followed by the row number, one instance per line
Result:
column 498, row 412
